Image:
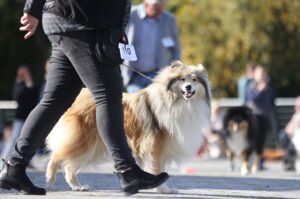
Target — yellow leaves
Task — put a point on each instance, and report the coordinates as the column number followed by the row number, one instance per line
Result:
column 227, row 34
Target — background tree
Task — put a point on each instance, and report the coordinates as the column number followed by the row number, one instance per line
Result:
column 223, row 35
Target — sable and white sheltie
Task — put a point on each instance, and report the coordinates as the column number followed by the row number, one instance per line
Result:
column 245, row 136
column 163, row 123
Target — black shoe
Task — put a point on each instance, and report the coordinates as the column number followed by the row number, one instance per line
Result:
column 14, row 177
column 133, row 180
column 289, row 165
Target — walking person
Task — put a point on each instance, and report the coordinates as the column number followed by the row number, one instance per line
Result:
column 73, row 28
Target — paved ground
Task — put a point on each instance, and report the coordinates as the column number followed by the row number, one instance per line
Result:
column 196, row 179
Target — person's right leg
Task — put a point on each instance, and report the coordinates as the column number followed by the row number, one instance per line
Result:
column 105, row 84
column 62, row 87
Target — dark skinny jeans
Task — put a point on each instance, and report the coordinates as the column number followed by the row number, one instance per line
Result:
column 73, row 64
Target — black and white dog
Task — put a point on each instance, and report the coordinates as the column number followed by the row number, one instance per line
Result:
column 245, row 135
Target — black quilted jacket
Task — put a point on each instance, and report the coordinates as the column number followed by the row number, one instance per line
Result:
column 37, row 7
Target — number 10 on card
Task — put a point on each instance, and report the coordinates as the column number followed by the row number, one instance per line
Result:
column 127, row 52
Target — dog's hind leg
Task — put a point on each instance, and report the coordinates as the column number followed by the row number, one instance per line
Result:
column 51, row 173
column 72, row 180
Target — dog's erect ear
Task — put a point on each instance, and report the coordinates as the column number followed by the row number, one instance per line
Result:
column 171, row 82
column 201, row 67
column 176, row 64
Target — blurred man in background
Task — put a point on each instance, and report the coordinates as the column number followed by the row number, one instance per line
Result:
column 154, row 34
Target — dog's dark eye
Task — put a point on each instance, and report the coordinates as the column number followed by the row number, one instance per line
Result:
column 182, row 79
column 194, row 79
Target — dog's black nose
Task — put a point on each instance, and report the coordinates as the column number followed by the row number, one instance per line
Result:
column 188, row 87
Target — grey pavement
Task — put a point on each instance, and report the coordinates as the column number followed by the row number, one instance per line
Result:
column 194, row 179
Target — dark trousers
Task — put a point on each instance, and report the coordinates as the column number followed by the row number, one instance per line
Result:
column 73, row 64
column 288, row 145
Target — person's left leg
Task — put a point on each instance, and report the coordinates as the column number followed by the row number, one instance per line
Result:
column 62, row 87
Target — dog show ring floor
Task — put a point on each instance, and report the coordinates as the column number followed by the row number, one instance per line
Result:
column 194, row 179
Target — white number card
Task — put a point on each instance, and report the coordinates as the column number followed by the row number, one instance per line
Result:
column 168, row 42
column 127, row 52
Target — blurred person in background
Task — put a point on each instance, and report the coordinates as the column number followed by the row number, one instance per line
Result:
column 287, row 134
column 261, row 100
column 260, row 94
column 244, row 81
column 153, row 32
column 26, row 95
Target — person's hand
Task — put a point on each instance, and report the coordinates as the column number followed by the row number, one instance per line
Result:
column 29, row 25
column 28, row 80
column 25, row 76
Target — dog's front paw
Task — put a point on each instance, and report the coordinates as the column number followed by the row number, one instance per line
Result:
column 51, row 187
column 254, row 169
column 81, row 188
column 164, row 188
column 245, row 171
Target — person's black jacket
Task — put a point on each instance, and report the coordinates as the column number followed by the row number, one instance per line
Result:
column 99, row 14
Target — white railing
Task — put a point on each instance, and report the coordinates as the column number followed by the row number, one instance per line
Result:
column 230, row 102
column 8, row 105
column 223, row 102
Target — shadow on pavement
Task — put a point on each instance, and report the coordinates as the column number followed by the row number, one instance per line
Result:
column 234, row 183
column 100, row 181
